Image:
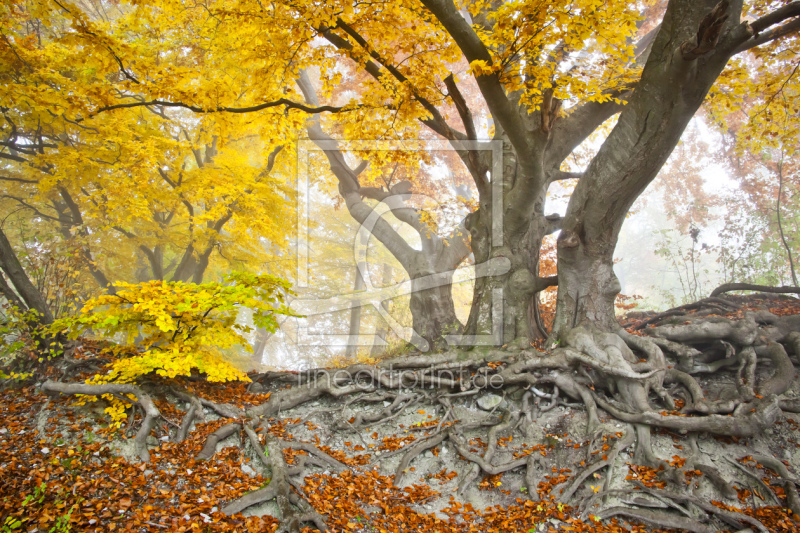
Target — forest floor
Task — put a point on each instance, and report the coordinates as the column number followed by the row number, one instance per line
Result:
column 373, row 460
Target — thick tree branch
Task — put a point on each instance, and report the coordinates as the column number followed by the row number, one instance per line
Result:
column 436, row 123
column 475, row 164
column 461, row 106
column 289, row 104
column 29, row 293
column 349, row 186
column 457, row 249
column 561, row 175
column 10, row 295
column 776, row 17
column 77, row 221
column 570, row 131
column 18, row 180
column 13, row 157
column 770, row 35
column 502, row 108
column 395, row 201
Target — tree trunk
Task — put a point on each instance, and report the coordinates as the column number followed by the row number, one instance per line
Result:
column 673, row 85
column 587, row 285
column 262, row 336
column 515, row 290
column 431, row 306
column 382, row 331
column 433, row 313
column 355, row 316
column 27, row 291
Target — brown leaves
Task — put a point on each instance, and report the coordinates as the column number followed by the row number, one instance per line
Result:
column 71, row 473
column 647, row 475
column 395, row 442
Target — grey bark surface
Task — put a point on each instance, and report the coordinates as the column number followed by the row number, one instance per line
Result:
column 16, row 274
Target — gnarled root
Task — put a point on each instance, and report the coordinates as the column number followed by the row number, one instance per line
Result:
column 661, row 520
column 577, row 482
column 150, row 410
column 210, row 447
column 766, row 412
column 787, row 480
column 783, row 375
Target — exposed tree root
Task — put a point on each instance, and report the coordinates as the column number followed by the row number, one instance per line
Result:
column 713, row 475
column 151, row 411
column 195, row 411
column 742, row 332
column 763, row 414
column 657, row 380
column 254, row 498
column 222, row 433
column 789, row 482
column 728, row 287
column 733, row 519
column 661, row 520
column 578, row 480
column 415, row 451
column 763, row 486
column 783, row 374
column 508, row 421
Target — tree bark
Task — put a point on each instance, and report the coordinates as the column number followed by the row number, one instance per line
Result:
column 381, row 333
column 674, row 83
column 433, row 313
column 355, row 316
column 27, row 291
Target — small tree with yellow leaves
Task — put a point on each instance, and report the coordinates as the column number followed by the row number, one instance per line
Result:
column 174, row 327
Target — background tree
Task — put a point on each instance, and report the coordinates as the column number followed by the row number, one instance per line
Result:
column 146, row 182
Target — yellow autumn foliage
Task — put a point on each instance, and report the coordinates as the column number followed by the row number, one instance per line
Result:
column 177, row 328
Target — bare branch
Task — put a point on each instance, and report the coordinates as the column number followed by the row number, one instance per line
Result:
column 13, row 157
column 770, row 35
column 461, row 106
column 501, row 107
column 18, row 180
column 779, row 15
column 436, row 123
column 289, row 104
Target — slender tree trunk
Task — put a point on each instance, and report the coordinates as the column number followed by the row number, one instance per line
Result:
column 355, row 316
column 9, row 294
column 186, row 267
column 262, row 336
column 381, row 334
column 780, row 223
column 27, row 291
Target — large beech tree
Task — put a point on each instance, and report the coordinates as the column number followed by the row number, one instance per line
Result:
column 549, row 80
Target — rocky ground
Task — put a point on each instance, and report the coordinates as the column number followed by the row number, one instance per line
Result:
column 501, row 457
